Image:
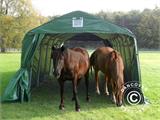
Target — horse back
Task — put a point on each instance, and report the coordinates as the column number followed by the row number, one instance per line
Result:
column 78, row 61
column 82, row 51
column 100, row 59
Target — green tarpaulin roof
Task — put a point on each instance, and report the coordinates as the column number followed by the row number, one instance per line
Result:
column 91, row 24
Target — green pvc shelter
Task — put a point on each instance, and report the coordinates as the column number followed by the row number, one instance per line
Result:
column 37, row 43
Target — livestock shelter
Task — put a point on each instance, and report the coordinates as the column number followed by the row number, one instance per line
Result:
column 36, row 51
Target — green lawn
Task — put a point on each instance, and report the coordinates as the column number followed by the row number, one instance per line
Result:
column 45, row 99
column 9, row 64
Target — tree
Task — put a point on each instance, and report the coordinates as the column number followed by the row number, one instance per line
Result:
column 16, row 18
column 145, row 25
column 149, row 29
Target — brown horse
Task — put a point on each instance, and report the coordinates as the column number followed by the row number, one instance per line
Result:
column 109, row 62
column 71, row 64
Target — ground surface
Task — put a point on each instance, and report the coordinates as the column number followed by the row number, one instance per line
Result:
column 45, row 99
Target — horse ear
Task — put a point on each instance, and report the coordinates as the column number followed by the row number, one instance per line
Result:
column 53, row 48
column 63, row 48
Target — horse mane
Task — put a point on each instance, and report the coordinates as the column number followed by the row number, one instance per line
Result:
column 114, row 55
column 92, row 59
column 114, row 59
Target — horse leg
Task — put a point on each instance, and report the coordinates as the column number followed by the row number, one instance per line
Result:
column 73, row 98
column 97, row 82
column 113, row 97
column 106, row 85
column 87, row 86
column 119, row 99
column 77, row 106
column 61, row 83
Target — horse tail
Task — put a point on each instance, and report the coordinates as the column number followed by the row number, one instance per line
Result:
column 91, row 70
column 92, row 62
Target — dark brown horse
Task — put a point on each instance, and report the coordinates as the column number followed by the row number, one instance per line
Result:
column 109, row 62
column 71, row 64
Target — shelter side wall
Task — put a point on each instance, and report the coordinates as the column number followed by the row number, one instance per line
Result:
column 41, row 68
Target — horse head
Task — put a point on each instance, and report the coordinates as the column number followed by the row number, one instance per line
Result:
column 58, row 60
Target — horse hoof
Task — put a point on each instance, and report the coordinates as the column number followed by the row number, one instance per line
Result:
column 119, row 104
column 73, row 99
column 88, row 99
column 61, row 107
column 98, row 92
column 107, row 93
column 113, row 101
column 78, row 110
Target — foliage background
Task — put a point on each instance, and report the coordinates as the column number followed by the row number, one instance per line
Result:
column 18, row 16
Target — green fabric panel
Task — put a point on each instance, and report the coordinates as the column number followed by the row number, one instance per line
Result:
column 35, row 67
column 30, row 48
column 135, row 64
column 27, row 42
column 91, row 24
column 17, row 87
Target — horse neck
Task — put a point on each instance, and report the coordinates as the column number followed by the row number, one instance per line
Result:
column 118, row 69
column 114, row 68
column 67, row 54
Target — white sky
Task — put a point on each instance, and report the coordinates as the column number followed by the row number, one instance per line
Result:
column 59, row 7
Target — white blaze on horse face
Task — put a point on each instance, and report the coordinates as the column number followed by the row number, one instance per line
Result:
column 60, row 65
column 57, row 62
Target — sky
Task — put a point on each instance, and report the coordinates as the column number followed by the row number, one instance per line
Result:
column 60, row 7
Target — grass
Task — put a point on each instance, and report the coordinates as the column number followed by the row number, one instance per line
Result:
column 9, row 64
column 45, row 99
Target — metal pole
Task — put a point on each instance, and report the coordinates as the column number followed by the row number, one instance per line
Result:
column 125, row 60
column 50, row 65
column 131, row 57
column 46, row 59
column 39, row 64
column 50, row 58
column 30, row 79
